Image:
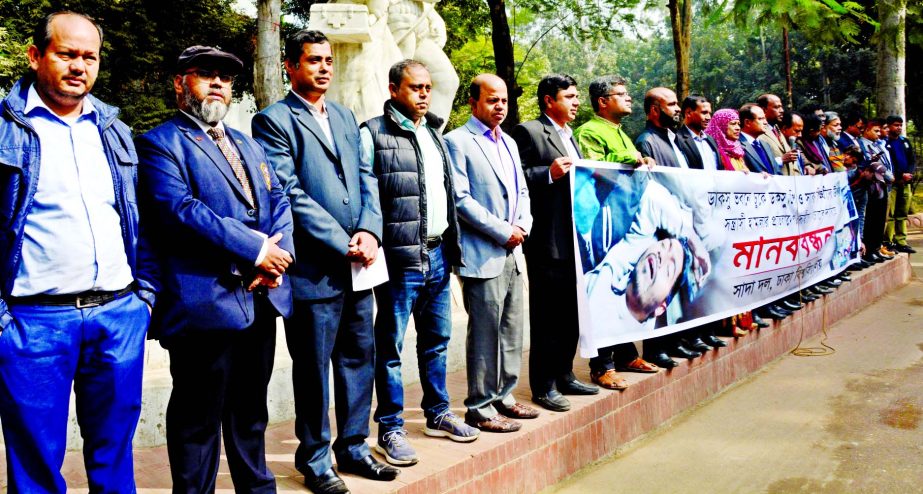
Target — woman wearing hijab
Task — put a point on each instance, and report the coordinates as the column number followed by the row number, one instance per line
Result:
column 724, row 128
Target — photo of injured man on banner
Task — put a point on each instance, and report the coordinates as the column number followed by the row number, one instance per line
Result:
column 665, row 249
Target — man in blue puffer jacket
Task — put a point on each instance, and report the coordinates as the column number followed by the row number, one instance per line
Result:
column 74, row 301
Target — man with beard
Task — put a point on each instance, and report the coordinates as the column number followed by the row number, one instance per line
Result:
column 548, row 151
column 220, row 228
column 785, row 157
column 603, row 139
column 313, row 143
column 658, row 140
column 75, row 297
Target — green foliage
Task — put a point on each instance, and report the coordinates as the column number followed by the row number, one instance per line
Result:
column 476, row 57
column 142, row 39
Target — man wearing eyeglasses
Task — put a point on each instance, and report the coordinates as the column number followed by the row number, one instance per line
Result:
column 220, row 230
column 603, row 139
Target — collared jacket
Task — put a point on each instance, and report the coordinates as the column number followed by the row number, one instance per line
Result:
column 20, row 161
column 398, row 164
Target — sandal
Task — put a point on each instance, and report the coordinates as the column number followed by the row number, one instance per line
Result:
column 639, row 365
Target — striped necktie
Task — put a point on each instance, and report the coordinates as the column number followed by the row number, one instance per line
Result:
column 236, row 165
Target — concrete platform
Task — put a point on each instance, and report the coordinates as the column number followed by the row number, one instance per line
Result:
column 555, row 445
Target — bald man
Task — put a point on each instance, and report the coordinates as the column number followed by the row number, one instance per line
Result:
column 492, row 200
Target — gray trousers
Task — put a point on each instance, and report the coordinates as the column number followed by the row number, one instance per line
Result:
column 494, row 344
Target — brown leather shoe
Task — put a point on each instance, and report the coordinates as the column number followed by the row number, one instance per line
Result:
column 517, row 411
column 497, row 423
column 639, row 365
column 609, row 379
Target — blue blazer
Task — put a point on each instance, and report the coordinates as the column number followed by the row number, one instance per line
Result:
column 752, row 158
column 333, row 194
column 481, row 197
column 200, row 227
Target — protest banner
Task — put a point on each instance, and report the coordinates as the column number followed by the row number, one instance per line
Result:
column 662, row 250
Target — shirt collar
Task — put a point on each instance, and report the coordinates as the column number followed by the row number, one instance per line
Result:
column 697, row 137
column 485, row 130
column 403, row 121
column 322, row 112
column 205, row 126
column 607, row 122
column 561, row 130
column 33, row 101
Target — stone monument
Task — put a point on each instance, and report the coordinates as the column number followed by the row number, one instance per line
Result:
column 369, row 37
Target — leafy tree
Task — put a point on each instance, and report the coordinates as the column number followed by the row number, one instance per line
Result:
column 142, row 39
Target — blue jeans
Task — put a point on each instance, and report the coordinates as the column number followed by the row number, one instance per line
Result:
column 100, row 350
column 426, row 296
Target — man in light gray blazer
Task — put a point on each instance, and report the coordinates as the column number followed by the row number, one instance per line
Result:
column 492, row 200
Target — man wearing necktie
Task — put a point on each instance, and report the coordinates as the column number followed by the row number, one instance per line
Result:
column 752, row 126
column 494, row 215
column 220, row 230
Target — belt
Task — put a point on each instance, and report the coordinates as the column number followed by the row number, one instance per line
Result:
column 92, row 298
column 433, row 242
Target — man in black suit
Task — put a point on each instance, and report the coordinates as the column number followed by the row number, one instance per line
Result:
column 548, row 151
column 701, row 153
column 700, row 149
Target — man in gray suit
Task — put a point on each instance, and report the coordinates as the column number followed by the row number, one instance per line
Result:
column 313, row 144
column 492, row 200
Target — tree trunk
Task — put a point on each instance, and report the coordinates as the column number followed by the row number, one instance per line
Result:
column 267, row 67
column 787, row 57
column 681, row 24
column 891, row 82
column 504, row 58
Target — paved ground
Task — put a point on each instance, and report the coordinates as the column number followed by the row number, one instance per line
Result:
column 847, row 422
column 843, row 423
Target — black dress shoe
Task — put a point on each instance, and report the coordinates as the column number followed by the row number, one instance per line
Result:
column 369, row 468
column 683, row 352
column 776, row 313
column 552, row 400
column 781, row 310
column 713, row 341
column 698, row 345
column 844, row 277
column 834, row 282
column 661, row 360
column 873, row 258
column 821, row 289
column 791, row 305
column 808, row 296
column 759, row 321
column 905, row 248
column 326, row 483
column 575, row 387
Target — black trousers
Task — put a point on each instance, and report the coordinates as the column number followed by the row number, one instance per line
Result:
column 876, row 215
column 219, row 386
column 553, row 322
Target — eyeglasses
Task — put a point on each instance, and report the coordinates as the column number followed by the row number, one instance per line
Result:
column 209, row 75
column 620, row 95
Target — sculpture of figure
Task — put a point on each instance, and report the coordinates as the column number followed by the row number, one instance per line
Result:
column 420, row 34
column 394, row 30
column 361, row 83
